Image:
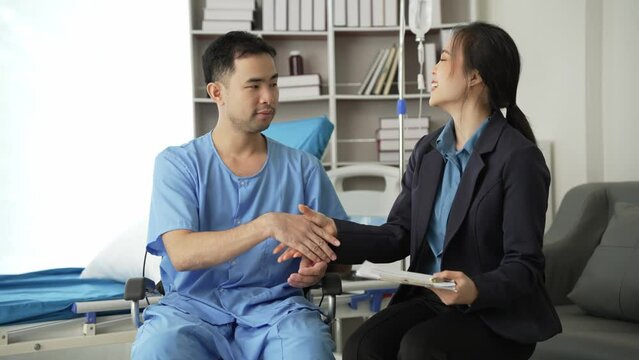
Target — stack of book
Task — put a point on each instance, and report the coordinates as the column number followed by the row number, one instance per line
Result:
column 224, row 15
column 381, row 73
column 388, row 137
column 299, row 86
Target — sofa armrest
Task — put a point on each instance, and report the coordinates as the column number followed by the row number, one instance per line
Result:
column 575, row 233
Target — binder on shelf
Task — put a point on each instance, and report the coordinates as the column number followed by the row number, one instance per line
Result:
column 369, row 74
column 390, row 13
column 378, row 12
column 352, row 13
column 385, row 71
column 377, row 73
column 306, row 15
column 281, row 17
column 228, row 14
column 293, row 15
column 365, row 13
column 339, row 13
column 319, row 15
column 268, row 15
column 437, row 13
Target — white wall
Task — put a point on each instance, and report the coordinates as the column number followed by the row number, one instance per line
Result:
column 620, row 90
column 90, row 91
column 560, row 90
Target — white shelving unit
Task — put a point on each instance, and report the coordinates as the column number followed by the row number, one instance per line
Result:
column 341, row 56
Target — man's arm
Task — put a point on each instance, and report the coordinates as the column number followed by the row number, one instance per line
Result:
column 189, row 250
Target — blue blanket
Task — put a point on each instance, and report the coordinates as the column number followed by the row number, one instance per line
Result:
column 50, row 294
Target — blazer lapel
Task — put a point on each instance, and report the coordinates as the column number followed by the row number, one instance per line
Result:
column 430, row 172
column 464, row 196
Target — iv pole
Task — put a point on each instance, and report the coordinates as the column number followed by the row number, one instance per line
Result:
column 401, row 86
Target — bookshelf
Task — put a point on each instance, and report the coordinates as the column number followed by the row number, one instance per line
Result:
column 341, row 56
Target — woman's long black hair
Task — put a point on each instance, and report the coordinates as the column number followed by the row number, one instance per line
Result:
column 493, row 53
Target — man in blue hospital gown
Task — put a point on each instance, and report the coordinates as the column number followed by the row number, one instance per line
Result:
column 221, row 204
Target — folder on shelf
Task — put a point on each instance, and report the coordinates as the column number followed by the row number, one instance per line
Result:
column 372, row 271
column 378, row 12
column 377, row 73
column 390, row 13
column 365, row 13
column 352, row 13
column 235, row 4
column 392, row 74
column 298, row 80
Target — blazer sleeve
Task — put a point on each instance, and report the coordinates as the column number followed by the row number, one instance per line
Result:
column 526, row 180
column 385, row 243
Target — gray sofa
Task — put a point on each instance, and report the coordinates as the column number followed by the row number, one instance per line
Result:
column 592, row 263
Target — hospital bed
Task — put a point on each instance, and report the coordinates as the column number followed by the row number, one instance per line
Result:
column 55, row 314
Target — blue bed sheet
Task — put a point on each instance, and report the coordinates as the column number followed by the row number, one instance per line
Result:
column 49, row 294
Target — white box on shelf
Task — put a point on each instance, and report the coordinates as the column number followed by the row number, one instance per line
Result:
column 298, row 80
column 393, row 144
column 409, row 133
column 298, row 92
column 224, row 26
column 230, row 14
column 235, row 4
column 393, row 123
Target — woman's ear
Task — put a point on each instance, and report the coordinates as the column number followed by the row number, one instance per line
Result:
column 474, row 78
column 214, row 89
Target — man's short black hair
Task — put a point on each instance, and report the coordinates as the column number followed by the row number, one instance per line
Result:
column 219, row 57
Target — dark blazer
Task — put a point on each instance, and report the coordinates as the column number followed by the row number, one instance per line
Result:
column 494, row 232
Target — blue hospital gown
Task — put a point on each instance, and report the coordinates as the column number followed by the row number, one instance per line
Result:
column 193, row 189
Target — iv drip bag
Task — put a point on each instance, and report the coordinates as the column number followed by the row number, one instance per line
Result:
column 420, row 17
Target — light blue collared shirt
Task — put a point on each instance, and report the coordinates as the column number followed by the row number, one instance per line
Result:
column 456, row 162
column 194, row 190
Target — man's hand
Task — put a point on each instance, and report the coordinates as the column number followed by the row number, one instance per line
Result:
column 466, row 291
column 308, row 274
column 298, row 233
column 326, row 224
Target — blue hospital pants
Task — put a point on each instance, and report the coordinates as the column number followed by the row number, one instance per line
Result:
column 168, row 333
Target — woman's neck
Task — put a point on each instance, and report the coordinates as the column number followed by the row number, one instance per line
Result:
column 467, row 117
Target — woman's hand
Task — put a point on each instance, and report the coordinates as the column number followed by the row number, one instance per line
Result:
column 323, row 222
column 466, row 291
column 300, row 234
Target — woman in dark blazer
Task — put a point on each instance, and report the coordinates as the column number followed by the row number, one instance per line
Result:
column 472, row 210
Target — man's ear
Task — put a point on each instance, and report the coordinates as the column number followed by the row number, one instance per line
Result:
column 214, row 89
column 474, row 78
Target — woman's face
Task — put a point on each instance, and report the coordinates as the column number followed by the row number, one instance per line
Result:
column 449, row 85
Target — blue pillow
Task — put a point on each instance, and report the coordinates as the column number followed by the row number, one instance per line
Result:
column 310, row 135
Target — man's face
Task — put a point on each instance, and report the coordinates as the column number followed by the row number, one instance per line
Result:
column 250, row 93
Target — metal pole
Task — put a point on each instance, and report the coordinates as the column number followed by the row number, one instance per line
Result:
column 401, row 85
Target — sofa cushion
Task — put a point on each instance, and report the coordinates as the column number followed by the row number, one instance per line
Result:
column 608, row 286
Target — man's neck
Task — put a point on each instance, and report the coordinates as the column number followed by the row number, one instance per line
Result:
column 243, row 153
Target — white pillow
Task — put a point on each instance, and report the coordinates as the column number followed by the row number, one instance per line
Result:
column 122, row 259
